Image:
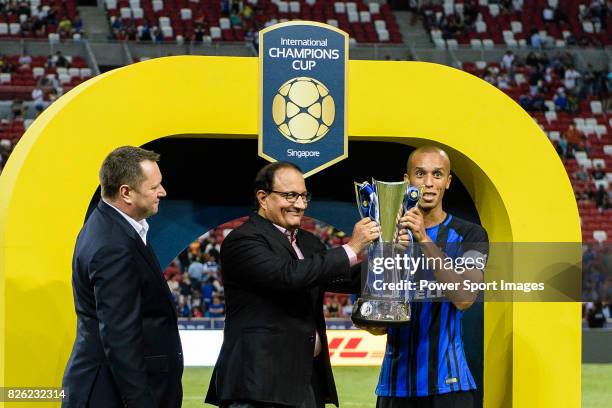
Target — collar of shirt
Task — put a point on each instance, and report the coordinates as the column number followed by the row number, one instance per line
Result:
column 289, row 234
column 141, row 227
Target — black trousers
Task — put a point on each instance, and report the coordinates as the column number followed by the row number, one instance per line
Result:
column 462, row 399
column 313, row 398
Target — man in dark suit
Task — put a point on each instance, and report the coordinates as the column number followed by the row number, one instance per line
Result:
column 127, row 351
column 274, row 350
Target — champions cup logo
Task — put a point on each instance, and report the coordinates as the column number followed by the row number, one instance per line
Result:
column 302, row 83
column 303, row 110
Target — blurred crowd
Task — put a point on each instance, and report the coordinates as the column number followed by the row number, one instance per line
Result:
column 195, row 276
column 597, row 285
column 38, row 21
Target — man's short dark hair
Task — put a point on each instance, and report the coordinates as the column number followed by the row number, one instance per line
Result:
column 122, row 166
column 264, row 180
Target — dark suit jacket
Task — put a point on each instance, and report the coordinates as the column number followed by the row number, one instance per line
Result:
column 127, row 350
column 274, row 302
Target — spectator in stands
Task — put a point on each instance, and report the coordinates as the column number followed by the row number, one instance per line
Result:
column 211, row 267
column 198, row 34
column 563, row 146
column 196, row 269
column 116, row 27
column 538, row 103
column 575, row 139
column 561, row 102
column 144, row 33
column 235, row 20
column 595, row 316
column 535, row 40
column 217, row 308
column 212, row 247
column 470, row 12
column 172, row 270
column 570, row 78
column 333, row 308
column 18, row 109
column 598, row 173
column 60, row 60
column 5, row 151
column 25, row 61
column 6, row 66
column 64, row 27
column 581, row 174
column 548, row 14
column 37, row 97
column 208, row 289
column 503, row 81
column 602, row 200
column 507, row 61
column 77, row 23
column 185, row 287
column 175, row 287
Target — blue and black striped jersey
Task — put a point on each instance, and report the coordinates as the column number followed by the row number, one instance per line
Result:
column 426, row 357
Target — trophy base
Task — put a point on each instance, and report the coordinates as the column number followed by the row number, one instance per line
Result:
column 380, row 313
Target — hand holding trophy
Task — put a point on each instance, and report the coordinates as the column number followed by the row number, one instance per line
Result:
column 384, row 300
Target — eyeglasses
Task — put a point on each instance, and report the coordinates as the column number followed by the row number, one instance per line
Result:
column 292, row 196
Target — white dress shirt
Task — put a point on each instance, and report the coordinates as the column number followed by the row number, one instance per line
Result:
column 141, row 227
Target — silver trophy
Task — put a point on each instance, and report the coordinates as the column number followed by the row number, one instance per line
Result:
column 385, row 291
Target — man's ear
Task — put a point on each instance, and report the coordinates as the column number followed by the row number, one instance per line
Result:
column 125, row 194
column 261, row 198
column 450, row 177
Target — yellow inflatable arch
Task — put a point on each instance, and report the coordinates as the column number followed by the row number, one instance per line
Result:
column 517, row 182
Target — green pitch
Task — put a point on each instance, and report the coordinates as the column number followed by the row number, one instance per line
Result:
column 356, row 386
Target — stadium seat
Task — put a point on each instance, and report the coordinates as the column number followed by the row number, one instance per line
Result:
column 85, row 72
column 137, row 13
column 14, row 28
column 554, row 136
column 374, row 8
column 215, row 33
column 596, row 107
column 600, row 236
column 158, row 5
column 332, row 22
column 224, row 23
column 186, row 14
column 167, row 32
column 383, row 35
column 452, row 44
column 339, row 8
column 365, row 17
column 516, row 26
column 4, row 29
column 111, row 4
column 476, row 43
column 294, row 6
column 54, row 38
column 380, row 25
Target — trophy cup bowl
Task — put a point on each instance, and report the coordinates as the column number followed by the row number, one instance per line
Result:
column 384, row 299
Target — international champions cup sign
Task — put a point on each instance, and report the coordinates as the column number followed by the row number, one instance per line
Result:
column 302, row 94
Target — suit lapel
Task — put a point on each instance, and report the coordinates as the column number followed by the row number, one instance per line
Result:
column 274, row 233
column 146, row 251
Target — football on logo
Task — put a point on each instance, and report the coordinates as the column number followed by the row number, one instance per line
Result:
column 303, row 110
